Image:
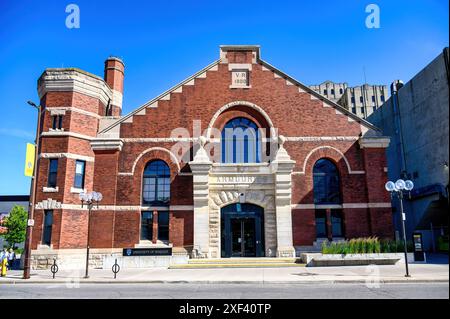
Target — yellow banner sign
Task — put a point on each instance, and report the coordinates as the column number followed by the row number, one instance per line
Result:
column 29, row 160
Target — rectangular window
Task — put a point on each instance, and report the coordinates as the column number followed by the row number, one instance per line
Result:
column 332, row 91
column 362, row 110
column 47, row 231
column 341, row 91
column 373, row 98
column 361, row 99
column 382, row 98
column 353, row 100
column 325, row 92
column 79, row 174
column 146, row 225
column 163, row 225
column 52, row 172
column 57, row 122
column 321, row 224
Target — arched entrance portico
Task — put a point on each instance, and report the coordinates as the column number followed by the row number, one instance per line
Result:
column 242, row 230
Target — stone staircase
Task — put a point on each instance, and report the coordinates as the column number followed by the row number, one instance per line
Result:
column 263, row 262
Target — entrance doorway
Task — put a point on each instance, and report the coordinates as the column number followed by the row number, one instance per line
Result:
column 242, row 231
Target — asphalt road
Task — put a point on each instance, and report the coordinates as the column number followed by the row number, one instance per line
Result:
column 224, row 291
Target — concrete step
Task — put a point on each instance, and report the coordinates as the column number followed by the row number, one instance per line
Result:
column 236, row 265
column 244, row 261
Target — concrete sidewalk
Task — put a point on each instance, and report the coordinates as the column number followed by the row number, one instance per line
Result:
column 353, row 274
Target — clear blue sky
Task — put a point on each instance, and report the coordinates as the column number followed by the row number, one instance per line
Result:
column 163, row 42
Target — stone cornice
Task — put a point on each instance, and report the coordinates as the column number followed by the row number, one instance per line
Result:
column 106, row 144
column 71, row 79
column 374, row 142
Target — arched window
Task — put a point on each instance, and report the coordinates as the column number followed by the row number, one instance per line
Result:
column 156, row 183
column 241, row 142
column 326, row 183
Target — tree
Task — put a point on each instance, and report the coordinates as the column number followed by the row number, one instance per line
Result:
column 16, row 224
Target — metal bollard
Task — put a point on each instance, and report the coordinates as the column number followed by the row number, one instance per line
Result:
column 115, row 268
column 54, row 268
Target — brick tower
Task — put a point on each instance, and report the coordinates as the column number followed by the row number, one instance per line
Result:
column 73, row 103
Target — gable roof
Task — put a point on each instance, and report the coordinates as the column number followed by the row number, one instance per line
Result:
column 265, row 64
column 320, row 96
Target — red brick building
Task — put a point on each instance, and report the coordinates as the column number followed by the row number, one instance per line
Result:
column 240, row 159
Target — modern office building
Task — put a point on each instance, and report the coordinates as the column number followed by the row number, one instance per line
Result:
column 416, row 117
column 360, row 100
column 239, row 159
column 331, row 90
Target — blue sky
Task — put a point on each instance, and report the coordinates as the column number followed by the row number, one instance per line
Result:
column 163, row 42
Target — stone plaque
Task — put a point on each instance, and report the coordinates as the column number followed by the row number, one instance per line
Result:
column 239, row 78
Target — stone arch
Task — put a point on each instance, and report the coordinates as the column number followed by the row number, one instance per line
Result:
column 247, row 104
column 160, row 153
column 224, row 198
column 329, row 152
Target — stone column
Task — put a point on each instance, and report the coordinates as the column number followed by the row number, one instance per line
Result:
column 282, row 167
column 329, row 225
column 155, row 227
column 200, row 167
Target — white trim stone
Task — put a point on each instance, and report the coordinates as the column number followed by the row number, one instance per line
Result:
column 67, row 134
column 67, row 155
column 77, row 190
column 374, row 142
column 50, row 189
column 106, row 144
column 239, row 66
column 341, row 206
column 63, row 109
column 48, row 204
column 73, row 80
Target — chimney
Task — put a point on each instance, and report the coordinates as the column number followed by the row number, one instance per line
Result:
column 114, row 73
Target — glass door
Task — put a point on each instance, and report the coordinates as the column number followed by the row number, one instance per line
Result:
column 248, row 227
column 243, row 237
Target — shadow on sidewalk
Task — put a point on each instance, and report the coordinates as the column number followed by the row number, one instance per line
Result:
column 437, row 258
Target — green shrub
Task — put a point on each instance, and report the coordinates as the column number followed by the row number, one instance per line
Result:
column 370, row 245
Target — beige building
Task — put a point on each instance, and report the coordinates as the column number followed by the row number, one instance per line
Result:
column 360, row 100
column 332, row 91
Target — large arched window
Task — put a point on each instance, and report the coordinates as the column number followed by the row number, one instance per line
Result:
column 241, row 142
column 156, row 183
column 326, row 183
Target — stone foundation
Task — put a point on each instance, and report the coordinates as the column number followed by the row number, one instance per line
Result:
column 73, row 259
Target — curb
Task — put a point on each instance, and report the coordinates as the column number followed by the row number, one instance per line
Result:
column 351, row 281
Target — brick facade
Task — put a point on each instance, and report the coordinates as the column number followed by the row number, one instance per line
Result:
column 117, row 148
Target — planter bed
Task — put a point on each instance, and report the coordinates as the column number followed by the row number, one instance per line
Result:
column 321, row 260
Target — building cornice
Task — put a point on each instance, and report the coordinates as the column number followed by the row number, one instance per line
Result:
column 374, row 142
column 74, row 80
column 106, row 144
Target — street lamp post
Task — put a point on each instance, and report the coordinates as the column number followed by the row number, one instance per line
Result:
column 29, row 232
column 397, row 189
column 90, row 199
